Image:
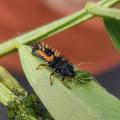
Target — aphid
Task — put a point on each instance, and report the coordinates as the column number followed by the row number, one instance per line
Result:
column 56, row 61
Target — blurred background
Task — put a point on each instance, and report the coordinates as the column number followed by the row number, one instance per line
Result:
column 86, row 43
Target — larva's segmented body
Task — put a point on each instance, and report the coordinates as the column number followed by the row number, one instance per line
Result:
column 54, row 60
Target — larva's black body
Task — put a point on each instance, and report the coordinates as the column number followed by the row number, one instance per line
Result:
column 62, row 66
column 54, row 60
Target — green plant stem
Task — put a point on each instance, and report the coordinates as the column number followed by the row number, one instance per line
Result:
column 5, row 95
column 95, row 9
column 51, row 29
column 8, row 80
column 108, row 3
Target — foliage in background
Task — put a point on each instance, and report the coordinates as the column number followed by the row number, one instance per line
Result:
column 20, row 104
column 113, row 28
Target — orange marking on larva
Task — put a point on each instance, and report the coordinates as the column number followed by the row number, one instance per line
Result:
column 40, row 53
column 47, row 58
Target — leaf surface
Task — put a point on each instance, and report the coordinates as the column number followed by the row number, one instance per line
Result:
column 83, row 102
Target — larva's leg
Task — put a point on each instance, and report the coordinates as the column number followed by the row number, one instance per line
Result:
column 73, row 82
column 51, row 78
column 40, row 66
column 63, row 80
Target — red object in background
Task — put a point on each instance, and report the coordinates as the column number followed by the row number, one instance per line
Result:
column 86, row 43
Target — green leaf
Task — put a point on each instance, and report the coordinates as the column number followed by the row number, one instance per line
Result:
column 83, row 102
column 113, row 28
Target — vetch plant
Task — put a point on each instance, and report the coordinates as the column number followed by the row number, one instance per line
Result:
column 87, row 101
